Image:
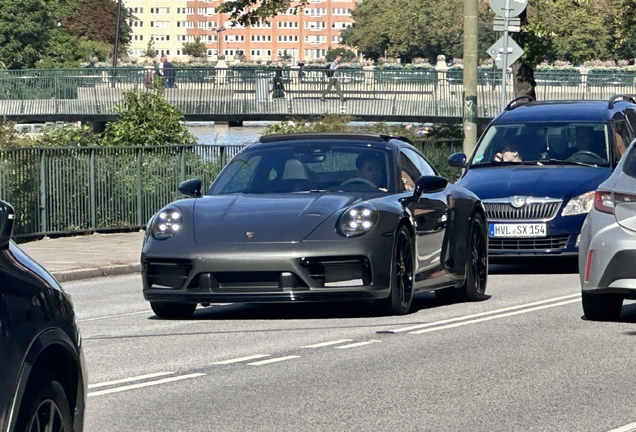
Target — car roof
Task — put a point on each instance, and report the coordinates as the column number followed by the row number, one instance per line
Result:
column 354, row 137
column 562, row 111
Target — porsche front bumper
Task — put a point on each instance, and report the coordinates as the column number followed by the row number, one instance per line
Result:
column 342, row 270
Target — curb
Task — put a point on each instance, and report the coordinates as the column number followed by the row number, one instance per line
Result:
column 90, row 273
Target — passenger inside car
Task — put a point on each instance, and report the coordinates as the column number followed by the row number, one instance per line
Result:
column 508, row 154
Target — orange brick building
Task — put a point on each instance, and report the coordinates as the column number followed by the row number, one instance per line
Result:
column 303, row 36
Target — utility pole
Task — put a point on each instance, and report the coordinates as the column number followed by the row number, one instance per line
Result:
column 116, row 42
column 471, row 24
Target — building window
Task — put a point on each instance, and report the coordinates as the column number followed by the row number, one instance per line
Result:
column 160, row 11
column 340, row 25
column 207, row 11
column 341, row 11
column 287, row 24
column 160, row 24
column 211, row 52
column 287, row 38
column 185, row 24
column 315, row 25
column 316, row 12
column 315, row 39
column 207, row 24
column 234, row 38
column 261, row 38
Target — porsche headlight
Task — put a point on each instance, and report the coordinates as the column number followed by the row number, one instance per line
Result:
column 166, row 223
column 358, row 219
column 579, row 205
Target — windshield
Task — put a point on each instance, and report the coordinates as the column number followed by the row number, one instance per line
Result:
column 306, row 167
column 544, row 143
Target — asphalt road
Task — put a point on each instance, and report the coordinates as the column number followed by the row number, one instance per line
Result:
column 522, row 360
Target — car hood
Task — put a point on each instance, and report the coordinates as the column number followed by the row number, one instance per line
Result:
column 263, row 218
column 549, row 181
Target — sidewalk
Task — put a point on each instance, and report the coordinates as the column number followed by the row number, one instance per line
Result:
column 88, row 256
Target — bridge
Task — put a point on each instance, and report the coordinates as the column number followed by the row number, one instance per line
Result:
column 243, row 94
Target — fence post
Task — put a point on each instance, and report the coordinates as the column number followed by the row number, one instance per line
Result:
column 91, row 179
column 183, row 164
column 223, row 155
column 43, row 203
column 139, row 195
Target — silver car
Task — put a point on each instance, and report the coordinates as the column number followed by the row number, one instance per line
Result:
column 607, row 249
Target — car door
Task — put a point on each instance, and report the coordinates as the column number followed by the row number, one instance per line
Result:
column 429, row 215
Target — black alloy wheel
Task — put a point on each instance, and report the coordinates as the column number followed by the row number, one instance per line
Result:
column 602, row 307
column 173, row 310
column 401, row 296
column 48, row 411
column 474, row 286
column 477, row 271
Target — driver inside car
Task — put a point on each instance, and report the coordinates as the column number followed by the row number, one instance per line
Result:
column 369, row 169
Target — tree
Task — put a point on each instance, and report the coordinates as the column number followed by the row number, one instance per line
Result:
column 147, row 119
column 24, row 32
column 247, row 12
column 409, row 29
column 97, row 20
column 195, row 49
column 150, row 49
column 346, row 54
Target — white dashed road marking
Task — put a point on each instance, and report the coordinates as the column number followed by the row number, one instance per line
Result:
column 274, row 360
column 481, row 314
column 495, row 317
column 627, row 428
column 324, row 344
column 131, row 379
column 146, row 384
column 241, row 359
column 358, row 344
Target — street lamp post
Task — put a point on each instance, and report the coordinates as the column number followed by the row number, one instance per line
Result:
column 116, row 40
column 218, row 41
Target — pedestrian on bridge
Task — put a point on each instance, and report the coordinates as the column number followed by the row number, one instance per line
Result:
column 334, row 81
column 166, row 70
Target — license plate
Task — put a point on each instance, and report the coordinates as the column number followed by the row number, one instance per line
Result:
column 518, row 230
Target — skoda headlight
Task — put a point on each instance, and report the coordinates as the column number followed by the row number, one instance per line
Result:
column 166, row 223
column 358, row 219
column 579, row 205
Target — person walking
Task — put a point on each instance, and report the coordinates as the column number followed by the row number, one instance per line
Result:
column 333, row 80
column 278, row 90
column 166, row 70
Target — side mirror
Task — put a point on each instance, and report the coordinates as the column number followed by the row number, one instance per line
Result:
column 457, row 160
column 7, row 216
column 429, row 184
column 191, row 188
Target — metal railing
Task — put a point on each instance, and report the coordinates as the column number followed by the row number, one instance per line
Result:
column 247, row 93
column 85, row 189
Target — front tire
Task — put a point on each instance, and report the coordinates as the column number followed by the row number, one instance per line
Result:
column 602, row 307
column 173, row 310
column 474, row 286
column 46, row 408
column 400, row 298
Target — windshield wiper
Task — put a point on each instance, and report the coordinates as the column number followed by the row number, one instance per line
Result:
column 567, row 162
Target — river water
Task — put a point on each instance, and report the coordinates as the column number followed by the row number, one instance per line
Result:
column 221, row 134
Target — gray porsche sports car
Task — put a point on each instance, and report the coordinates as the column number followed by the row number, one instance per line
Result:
column 317, row 217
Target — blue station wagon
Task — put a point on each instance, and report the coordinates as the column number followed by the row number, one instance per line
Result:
column 537, row 165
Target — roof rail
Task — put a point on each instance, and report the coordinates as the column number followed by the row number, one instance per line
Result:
column 516, row 102
column 324, row 135
column 620, row 97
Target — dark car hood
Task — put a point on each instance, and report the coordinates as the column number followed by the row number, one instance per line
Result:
column 548, row 181
column 270, row 218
